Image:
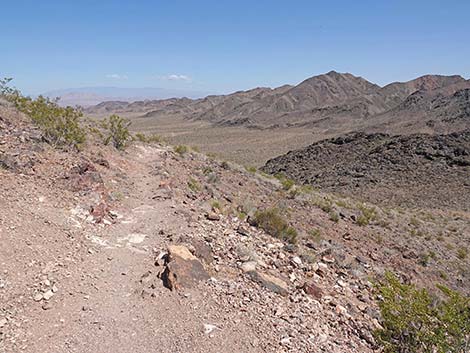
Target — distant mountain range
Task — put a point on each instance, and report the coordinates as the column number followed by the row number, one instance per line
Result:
column 88, row 96
column 332, row 103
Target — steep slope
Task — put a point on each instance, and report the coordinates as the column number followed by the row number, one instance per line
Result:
column 428, row 171
column 442, row 110
column 397, row 92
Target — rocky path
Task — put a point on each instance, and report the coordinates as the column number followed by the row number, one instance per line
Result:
column 110, row 301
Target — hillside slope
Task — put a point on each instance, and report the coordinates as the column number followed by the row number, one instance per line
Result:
column 149, row 250
column 424, row 170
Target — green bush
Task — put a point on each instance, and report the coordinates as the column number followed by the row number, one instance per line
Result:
column 414, row 321
column 60, row 126
column 462, row 253
column 273, row 223
column 141, row 137
column 117, row 131
column 286, row 183
column 334, row 216
column 251, row 169
column 367, row 215
column 181, row 149
column 194, row 185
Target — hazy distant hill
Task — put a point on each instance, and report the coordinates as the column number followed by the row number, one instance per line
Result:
column 89, row 96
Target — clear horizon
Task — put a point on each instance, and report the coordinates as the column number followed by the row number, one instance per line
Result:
column 216, row 47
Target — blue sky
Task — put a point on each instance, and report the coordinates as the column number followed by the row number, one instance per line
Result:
column 221, row 46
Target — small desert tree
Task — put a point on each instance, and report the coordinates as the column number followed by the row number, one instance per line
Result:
column 117, row 131
column 414, row 321
column 60, row 126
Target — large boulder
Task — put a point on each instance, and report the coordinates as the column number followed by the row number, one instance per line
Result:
column 182, row 269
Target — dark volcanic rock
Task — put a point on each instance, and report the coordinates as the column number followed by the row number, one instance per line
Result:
column 424, row 170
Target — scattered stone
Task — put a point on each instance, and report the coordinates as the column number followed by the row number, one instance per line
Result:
column 272, row 283
column 3, row 322
column 212, row 216
column 243, row 230
column 248, row 266
column 297, row 261
column 313, row 290
column 38, row 297
column 203, row 251
column 48, row 295
column 46, row 306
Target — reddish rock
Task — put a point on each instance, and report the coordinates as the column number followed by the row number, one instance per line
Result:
column 99, row 212
column 313, row 290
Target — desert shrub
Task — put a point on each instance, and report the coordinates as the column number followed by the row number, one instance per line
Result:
column 286, row 183
column 251, row 169
column 424, row 259
column 325, row 204
column 462, row 253
column 367, row 215
column 181, row 149
column 194, row 185
column 60, row 126
column 334, row 216
column 216, row 205
column 117, row 131
column 414, row 321
column 315, row 234
column 225, row 165
column 153, row 138
column 271, row 221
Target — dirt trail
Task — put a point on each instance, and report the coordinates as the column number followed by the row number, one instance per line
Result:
column 102, row 305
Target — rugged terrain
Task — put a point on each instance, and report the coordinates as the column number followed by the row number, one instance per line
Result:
column 333, row 101
column 151, row 250
column 431, row 171
column 253, row 126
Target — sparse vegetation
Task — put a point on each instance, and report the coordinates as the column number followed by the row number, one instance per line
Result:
column 216, row 205
column 117, row 131
column 324, row 204
column 286, row 183
column 271, row 221
column 462, row 253
column 153, row 138
column 367, row 215
column 334, row 216
column 181, row 149
column 414, row 321
column 60, row 126
column 194, row 185
column 315, row 234
column 251, row 169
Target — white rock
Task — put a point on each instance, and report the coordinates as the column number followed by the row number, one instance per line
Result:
column 3, row 322
column 37, row 297
column 48, row 295
column 208, row 328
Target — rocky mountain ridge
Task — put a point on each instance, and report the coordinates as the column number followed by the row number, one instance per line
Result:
column 330, row 102
column 420, row 170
